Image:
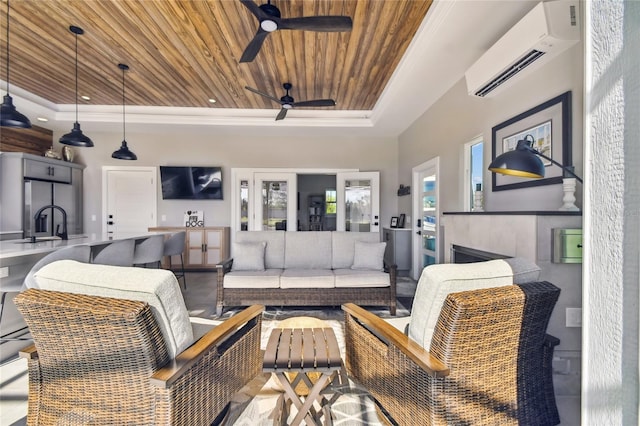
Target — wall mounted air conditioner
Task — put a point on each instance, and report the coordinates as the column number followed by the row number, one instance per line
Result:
column 547, row 30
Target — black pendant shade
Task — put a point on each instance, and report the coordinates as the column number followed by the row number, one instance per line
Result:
column 75, row 137
column 123, row 153
column 9, row 115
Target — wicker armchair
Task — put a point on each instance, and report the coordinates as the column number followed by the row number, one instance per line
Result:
column 489, row 361
column 99, row 360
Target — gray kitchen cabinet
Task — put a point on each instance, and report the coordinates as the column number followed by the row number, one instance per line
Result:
column 29, row 182
column 398, row 250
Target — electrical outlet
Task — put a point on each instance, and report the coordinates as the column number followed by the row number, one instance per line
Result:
column 4, row 272
column 163, row 218
column 573, row 317
column 93, row 218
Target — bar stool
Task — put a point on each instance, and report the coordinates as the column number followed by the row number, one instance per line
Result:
column 117, row 253
column 173, row 246
column 149, row 251
column 80, row 253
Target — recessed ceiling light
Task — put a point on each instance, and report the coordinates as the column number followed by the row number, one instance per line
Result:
column 43, row 119
column 212, row 101
column 85, row 97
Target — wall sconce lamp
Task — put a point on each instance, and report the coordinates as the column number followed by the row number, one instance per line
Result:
column 524, row 161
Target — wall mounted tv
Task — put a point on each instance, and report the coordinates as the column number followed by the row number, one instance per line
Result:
column 191, row 183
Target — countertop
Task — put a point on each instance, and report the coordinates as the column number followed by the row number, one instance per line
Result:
column 17, row 248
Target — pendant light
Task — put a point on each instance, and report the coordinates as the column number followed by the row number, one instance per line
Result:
column 75, row 136
column 9, row 115
column 123, row 153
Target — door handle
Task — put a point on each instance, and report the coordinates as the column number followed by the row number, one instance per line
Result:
column 419, row 232
column 109, row 222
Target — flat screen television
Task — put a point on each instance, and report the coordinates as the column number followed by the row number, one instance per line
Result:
column 191, row 183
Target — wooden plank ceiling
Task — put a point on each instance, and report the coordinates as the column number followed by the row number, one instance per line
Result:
column 183, row 52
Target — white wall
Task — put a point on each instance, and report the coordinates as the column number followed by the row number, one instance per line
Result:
column 229, row 151
column 612, row 215
column 457, row 118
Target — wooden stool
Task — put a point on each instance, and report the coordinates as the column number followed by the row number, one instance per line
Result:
column 304, row 351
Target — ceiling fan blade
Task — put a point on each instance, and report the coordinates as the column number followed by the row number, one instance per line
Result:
column 316, row 103
column 256, row 91
column 317, row 23
column 254, row 9
column 254, row 46
column 282, row 114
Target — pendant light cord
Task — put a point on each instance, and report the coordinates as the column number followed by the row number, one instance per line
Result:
column 123, row 111
column 76, row 77
column 7, row 47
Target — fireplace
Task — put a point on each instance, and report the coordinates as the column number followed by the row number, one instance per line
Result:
column 461, row 254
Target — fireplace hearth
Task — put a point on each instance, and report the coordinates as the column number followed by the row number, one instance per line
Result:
column 461, row 254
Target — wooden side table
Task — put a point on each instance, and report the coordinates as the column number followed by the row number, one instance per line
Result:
column 305, row 351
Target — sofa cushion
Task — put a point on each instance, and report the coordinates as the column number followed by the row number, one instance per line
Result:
column 307, row 250
column 273, row 251
column 248, row 256
column 268, row 278
column 524, row 270
column 343, row 246
column 437, row 281
column 157, row 287
column 368, row 256
column 307, row 278
column 361, row 278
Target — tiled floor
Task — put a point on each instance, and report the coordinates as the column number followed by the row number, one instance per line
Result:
column 200, row 300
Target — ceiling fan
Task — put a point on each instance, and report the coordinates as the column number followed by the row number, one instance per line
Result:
column 288, row 102
column 270, row 20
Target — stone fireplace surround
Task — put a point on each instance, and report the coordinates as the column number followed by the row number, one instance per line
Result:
column 528, row 234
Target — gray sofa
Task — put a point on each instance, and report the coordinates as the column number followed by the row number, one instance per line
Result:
column 321, row 268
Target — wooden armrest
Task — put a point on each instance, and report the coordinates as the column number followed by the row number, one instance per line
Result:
column 167, row 375
column 30, row 352
column 393, row 336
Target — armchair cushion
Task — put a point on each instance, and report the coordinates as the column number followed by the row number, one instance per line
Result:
column 248, row 256
column 437, row 281
column 368, row 256
column 524, row 270
column 157, row 287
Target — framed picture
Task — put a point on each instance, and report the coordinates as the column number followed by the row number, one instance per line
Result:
column 401, row 220
column 394, row 222
column 550, row 126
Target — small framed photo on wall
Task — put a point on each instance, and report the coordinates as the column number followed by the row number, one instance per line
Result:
column 394, row 222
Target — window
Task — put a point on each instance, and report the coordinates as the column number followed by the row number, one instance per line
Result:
column 330, row 197
column 473, row 170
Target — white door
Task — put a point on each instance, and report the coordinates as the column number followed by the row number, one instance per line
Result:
column 358, row 201
column 426, row 210
column 275, row 202
column 129, row 199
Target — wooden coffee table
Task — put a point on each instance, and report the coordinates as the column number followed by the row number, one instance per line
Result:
column 308, row 352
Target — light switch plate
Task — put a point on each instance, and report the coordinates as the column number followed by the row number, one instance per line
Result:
column 574, row 317
column 4, row 272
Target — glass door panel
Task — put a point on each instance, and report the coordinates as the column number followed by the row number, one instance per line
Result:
column 429, row 220
column 244, row 205
column 358, row 202
column 275, row 202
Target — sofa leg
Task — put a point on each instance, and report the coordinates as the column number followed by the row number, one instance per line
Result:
column 219, row 309
column 392, row 309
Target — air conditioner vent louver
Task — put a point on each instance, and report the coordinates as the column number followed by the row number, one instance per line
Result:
column 547, row 30
column 510, row 72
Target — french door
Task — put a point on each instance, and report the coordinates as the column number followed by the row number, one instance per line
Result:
column 358, row 201
column 426, row 210
column 275, row 201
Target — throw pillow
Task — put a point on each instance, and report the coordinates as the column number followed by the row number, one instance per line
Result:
column 248, row 256
column 369, row 256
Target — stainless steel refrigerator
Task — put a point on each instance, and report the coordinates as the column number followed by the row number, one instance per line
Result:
column 38, row 194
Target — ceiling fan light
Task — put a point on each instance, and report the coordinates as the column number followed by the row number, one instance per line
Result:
column 10, row 117
column 123, row 153
column 76, row 138
column 268, row 25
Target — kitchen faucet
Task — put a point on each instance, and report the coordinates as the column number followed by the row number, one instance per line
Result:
column 63, row 235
